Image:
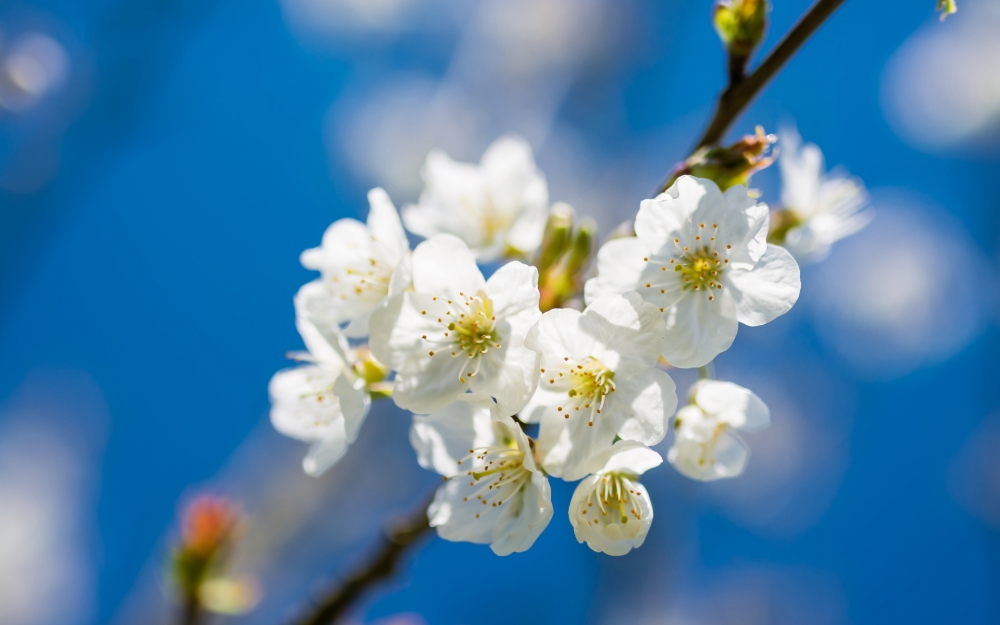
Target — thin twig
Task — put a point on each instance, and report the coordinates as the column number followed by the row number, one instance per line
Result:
column 381, row 565
column 737, row 96
column 191, row 612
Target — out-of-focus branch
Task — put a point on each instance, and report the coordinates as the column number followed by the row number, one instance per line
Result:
column 382, row 564
column 739, row 94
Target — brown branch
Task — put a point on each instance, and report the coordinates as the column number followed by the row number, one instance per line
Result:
column 737, row 96
column 381, row 565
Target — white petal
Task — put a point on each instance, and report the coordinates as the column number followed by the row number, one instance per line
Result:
column 323, row 454
column 541, row 400
column 652, row 400
column 508, row 374
column 322, row 337
column 385, row 227
column 666, row 217
column 620, row 263
column 558, row 335
column 754, row 242
column 344, row 241
column 323, row 305
column 698, row 330
column 513, row 289
column 442, row 439
column 521, row 525
column 769, row 290
column 444, row 266
column 354, row 404
column 629, row 457
column 628, row 332
column 454, row 515
column 566, row 444
column 727, row 457
column 297, row 411
column 733, row 404
column 609, row 535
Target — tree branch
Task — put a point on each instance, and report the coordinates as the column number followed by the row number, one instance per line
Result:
column 381, row 565
column 738, row 95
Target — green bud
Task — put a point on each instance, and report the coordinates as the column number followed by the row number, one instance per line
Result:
column 555, row 241
column 729, row 166
column 741, row 25
column 583, row 248
column 368, row 368
column 947, row 7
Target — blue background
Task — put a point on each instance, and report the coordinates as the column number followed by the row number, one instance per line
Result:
column 162, row 258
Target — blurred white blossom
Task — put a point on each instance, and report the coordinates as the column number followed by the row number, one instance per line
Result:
column 323, row 402
column 361, row 266
column 33, row 66
column 497, row 208
column 702, row 257
column 941, row 90
column 901, row 294
column 705, row 445
column 818, row 209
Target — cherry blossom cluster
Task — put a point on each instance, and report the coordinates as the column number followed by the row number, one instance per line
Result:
column 480, row 365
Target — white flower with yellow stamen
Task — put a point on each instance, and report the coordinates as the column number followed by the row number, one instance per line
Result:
column 598, row 381
column 494, row 492
column 701, row 256
column 456, row 332
column 323, row 402
column 706, row 447
column 818, row 208
column 610, row 509
column 497, row 207
column 359, row 265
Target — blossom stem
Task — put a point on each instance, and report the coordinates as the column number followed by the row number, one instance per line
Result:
column 740, row 93
column 382, row 564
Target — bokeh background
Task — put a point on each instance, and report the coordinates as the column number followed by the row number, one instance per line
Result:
column 163, row 163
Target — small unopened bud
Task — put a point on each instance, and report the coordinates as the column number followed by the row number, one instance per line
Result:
column 207, row 524
column 583, row 248
column 741, row 25
column 558, row 230
column 729, row 166
column 947, row 7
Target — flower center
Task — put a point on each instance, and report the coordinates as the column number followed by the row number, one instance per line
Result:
column 364, row 281
column 587, row 383
column 701, row 270
column 474, row 331
column 617, row 494
column 496, row 473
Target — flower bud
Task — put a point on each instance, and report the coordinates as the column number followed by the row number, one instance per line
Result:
column 208, row 525
column 729, row 166
column 583, row 247
column 558, row 230
column 741, row 25
column 947, row 7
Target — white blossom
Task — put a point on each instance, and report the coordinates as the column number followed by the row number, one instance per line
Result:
column 323, row 402
column 822, row 208
column 494, row 492
column 598, row 380
column 706, row 447
column 361, row 265
column 701, row 256
column 455, row 331
column 497, row 207
column 610, row 509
